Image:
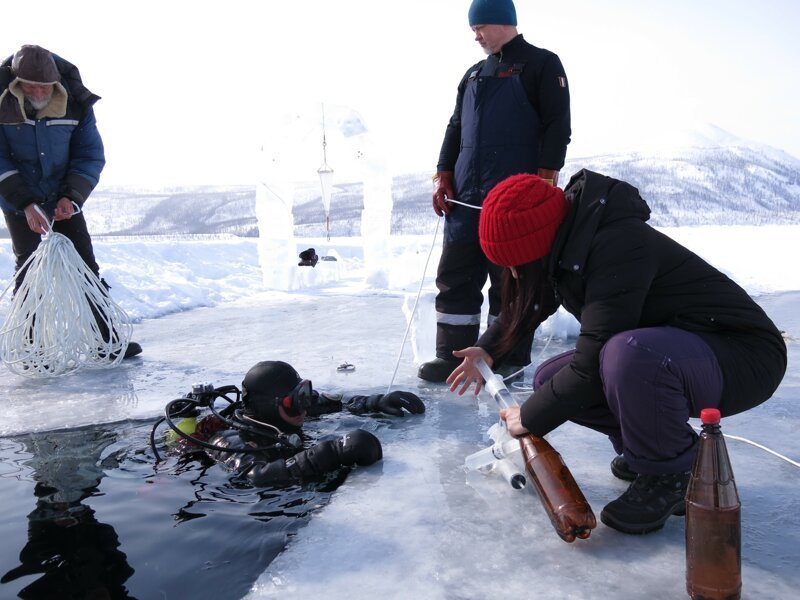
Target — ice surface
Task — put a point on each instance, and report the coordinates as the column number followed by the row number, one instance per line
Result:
column 416, row 525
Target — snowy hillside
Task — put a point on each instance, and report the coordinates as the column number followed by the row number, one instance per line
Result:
column 732, row 184
column 707, row 178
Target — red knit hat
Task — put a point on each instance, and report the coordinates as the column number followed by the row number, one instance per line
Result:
column 519, row 220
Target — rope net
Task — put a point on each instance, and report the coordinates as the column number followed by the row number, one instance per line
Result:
column 61, row 318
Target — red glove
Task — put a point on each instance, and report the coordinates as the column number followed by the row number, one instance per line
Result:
column 443, row 189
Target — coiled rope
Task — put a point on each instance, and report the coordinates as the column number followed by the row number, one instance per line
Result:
column 61, row 318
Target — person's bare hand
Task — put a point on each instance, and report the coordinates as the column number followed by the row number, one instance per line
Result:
column 467, row 372
column 37, row 222
column 64, row 209
column 513, row 423
column 442, row 191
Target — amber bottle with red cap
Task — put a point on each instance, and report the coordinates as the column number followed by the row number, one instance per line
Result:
column 713, row 519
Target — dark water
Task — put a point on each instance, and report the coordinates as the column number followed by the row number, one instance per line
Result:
column 87, row 513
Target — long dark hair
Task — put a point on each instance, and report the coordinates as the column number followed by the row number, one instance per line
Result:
column 525, row 302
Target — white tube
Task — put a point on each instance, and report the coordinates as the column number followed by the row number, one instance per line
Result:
column 484, row 459
column 496, row 386
column 496, row 457
column 509, row 471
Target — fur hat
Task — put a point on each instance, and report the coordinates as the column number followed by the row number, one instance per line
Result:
column 34, row 64
column 519, row 220
column 492, row 12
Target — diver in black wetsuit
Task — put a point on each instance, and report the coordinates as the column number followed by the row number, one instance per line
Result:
column 259, row 436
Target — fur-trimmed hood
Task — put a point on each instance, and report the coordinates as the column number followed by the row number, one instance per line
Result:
column 12, row 101
column 12, row 104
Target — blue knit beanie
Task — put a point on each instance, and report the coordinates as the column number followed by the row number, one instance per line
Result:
column 492, row 12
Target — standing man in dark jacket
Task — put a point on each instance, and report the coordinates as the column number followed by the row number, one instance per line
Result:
column 663, row 334
column 51, row 154
column 512, row 116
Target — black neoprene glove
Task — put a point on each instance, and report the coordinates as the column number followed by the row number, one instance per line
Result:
column 261, row 474
column 392, row 403
column 359, row 447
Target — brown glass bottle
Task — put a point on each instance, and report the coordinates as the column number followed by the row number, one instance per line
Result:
column 561, row 497
column 713, row 519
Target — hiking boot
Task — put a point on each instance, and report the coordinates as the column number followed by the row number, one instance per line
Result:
column 132, row 350
column 437, row 370
column 622, row 470
column 647, row 504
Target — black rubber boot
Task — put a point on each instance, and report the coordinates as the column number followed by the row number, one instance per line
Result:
column 437, row 370
column 133, row 349
column 622, row 470
column 448, row 338
column 647, row 504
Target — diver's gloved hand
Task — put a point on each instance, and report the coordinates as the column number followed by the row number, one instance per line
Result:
column 358, row 447
column 260, row 474
column 392, row 403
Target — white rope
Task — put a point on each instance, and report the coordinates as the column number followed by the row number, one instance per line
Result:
column 464, row 204
column 52, row 327
column 757, row 445
column 414, row 308
column 519, row 385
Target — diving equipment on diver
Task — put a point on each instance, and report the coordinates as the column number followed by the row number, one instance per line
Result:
column 202, row 399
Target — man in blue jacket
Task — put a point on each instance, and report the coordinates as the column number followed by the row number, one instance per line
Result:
column 51, row 154
column 512, row 115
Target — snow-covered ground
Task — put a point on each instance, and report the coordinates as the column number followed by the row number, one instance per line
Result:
column 416, row 525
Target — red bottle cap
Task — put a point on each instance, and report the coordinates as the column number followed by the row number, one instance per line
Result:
column 710, row 416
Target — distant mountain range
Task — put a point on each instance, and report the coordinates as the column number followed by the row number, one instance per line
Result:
column 715, row 179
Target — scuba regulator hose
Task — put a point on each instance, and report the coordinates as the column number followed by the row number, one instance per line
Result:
column 203, row 396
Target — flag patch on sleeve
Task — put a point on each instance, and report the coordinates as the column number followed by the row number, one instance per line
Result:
column 562, row 81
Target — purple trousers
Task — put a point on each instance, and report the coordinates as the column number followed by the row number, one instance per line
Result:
column 654, row 379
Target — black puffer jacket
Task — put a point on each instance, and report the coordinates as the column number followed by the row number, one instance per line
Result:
column 615, row 273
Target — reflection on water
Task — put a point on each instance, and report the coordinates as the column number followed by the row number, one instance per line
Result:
column 72, row 554
column 108, row 523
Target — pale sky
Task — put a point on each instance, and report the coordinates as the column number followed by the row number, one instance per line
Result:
column 189, row 87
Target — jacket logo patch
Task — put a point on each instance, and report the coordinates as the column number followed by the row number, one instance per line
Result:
column 562, row 81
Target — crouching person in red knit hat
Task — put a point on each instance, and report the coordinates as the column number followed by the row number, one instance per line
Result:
column 663, row 334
